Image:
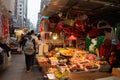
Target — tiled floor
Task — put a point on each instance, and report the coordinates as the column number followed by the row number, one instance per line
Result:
column 16, row 70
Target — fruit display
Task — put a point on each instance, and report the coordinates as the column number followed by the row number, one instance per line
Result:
column 67, row 52
column 62, row 67
column 51, row 70
column 76, row 68
column 91, row 56
column 91, row 66
column 51, row 53
column 65, row 73
column 83, row 67
column 59, row 75
column 62, row 59
column 76, row 60
column 48, row 54
column 53, row 60
column 42, row 60
column 100, row 62
column 69, row 60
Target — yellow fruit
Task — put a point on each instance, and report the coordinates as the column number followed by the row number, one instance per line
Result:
column 65, row 73
column 58, row 74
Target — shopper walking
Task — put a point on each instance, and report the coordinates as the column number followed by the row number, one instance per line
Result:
column 38, row 43
column 22, row 41
column 34, row 36
column 29, row 50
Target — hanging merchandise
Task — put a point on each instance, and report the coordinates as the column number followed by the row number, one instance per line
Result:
column 67, row 30
column 76, row 32
column 5, row 25
column 80, row 22
column 68, row 20
column 41, row 28
column 60, row 26
column 93, row 33
column 80, row 25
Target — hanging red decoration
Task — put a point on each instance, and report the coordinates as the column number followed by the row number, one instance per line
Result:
column 5, row 25
column 76, row 32
column 60, row 26
column 94, row 32
column 67, row 30
column 80, row 25
column 41, row 28
column 72, row 37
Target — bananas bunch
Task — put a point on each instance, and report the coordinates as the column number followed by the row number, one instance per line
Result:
column 65, row 73
column 59, row 74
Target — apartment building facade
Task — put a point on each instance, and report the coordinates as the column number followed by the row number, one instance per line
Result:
column 43, row 4
column 21, row 12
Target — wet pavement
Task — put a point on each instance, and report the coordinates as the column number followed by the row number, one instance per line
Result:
column 16, row 70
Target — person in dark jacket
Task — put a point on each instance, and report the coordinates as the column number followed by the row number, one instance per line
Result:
column 4, row 46
column 114, row 59
column 22, row 41
column 105, row 50
column 29, row 59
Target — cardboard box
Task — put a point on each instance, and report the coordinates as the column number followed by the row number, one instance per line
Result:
column 116, row 72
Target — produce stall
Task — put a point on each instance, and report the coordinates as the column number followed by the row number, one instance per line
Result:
column 69, row 63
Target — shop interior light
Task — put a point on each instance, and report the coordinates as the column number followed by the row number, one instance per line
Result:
column 55, row 36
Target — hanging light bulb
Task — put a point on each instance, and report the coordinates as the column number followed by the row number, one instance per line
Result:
column 55, row 36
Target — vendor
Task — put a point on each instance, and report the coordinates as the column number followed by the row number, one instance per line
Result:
column 105, row 50
column 114, row 59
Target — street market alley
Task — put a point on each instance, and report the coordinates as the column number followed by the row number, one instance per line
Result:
column 16, row 70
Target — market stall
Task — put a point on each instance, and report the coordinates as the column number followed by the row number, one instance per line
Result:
column 5, row 54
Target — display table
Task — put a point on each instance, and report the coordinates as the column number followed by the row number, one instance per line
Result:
column 79, row 66
column 75, row 76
